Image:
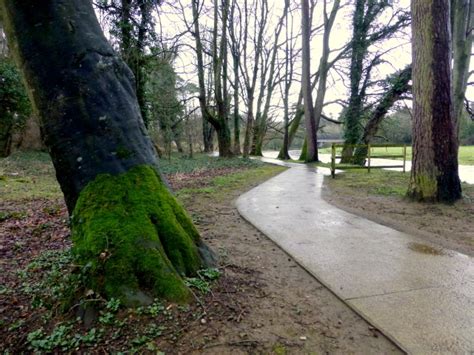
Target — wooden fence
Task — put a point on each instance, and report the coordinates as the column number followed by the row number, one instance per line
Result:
column 368, row 157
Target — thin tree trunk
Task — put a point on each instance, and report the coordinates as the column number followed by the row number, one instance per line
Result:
column 434, row 175
column 324, row 65
column 399, row 87
column 235, row 58
column 220, row 122
column 250, row 81
column 463, row 17
column 310, row 121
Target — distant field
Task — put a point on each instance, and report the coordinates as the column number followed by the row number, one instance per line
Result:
column 466, row 153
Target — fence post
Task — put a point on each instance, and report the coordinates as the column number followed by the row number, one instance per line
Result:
column 333, row 160
column 404, row 156
column 368, row 158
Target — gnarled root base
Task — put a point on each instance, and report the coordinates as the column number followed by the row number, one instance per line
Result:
column 134, row 240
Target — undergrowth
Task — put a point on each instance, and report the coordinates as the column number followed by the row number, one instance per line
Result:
column 52, row 278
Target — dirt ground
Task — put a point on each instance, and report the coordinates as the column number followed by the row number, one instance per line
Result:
column 263, row 302
column 449, row 226
column 287, row 310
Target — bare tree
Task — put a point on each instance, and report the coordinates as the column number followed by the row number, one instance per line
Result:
column 250, row 68
column 235, row 47
column 269, row 79
column 220, row 120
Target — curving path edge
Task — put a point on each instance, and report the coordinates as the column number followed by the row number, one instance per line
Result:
column 419, row 295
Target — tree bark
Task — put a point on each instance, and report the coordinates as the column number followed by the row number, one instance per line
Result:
column 310, row 121
column 132, row 237
column 434, row 175
column 354, row 109
column 235, row 52
column 323, row 64
column 262, row 119
column 260, row 23
column 235, row 58
column 463, row 17
column 219, row 123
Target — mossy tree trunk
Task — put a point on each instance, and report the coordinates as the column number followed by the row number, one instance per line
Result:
column 434, row 175
column 130, row 234
column 352, row 127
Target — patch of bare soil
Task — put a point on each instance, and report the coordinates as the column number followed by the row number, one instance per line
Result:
column 286, row 310
column 449, row 226
column 263, row 302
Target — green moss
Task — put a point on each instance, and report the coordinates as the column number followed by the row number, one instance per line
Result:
column 123, row 153
column 424, row 188
column 304, row 149
column 132, row 236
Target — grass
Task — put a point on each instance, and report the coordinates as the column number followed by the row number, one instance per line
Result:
column 466, row 153
column 220, row 186
column 183, row 164
column 381, row 182
column 30, row 175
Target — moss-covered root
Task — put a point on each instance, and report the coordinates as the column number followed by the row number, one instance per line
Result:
column 133, row 238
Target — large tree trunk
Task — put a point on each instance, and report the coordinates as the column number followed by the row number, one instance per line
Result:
column 434, row 175
column 132, row 237
column 310, row 121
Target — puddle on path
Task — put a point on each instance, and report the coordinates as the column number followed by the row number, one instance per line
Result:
column 427, row 249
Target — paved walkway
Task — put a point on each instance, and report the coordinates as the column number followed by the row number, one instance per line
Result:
column 419, row 295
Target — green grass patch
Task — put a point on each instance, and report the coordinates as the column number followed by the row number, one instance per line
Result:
column 184, row 164
column 465, row 156
column 221, row 186
column 28, row 175
column 381, row 182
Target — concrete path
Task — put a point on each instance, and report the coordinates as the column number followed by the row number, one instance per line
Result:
column 419, row 295
column 466, row 172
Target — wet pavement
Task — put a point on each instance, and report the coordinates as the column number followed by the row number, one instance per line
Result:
column 419, row 295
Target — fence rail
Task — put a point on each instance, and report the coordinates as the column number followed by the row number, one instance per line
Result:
column 368, row 157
